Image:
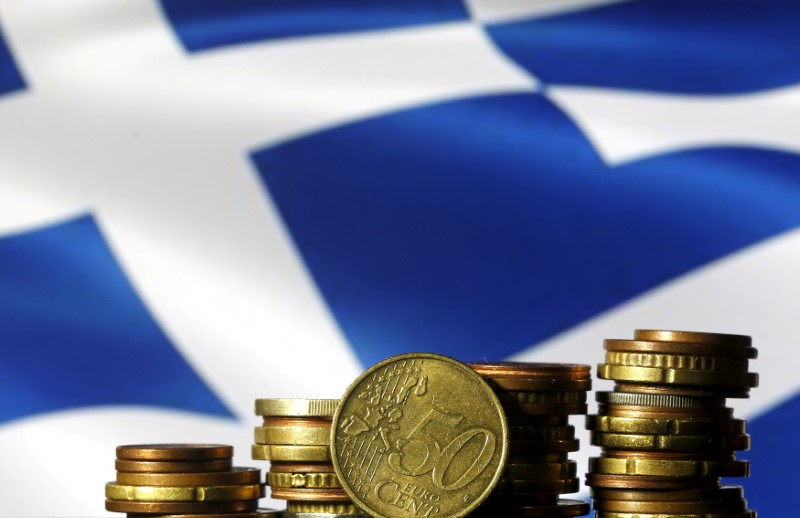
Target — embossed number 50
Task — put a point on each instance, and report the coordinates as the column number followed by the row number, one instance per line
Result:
column 421, row 443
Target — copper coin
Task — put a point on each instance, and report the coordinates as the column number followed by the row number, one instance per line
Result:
column 693, row 337
column 552, row 486
column 259, row 513
column 685, row 495
column 174, row 452
column 559, row 446
column 524, row 370
column 539, row 385
column 671, row 455
column 682, row 348
column 557, row 509
column 539, row 409
column 144, row 466
column 671, row 507
column 529, row 457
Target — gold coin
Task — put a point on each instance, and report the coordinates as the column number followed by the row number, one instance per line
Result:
column 625, row 441
column 296, row 407
column 116, row 491
column 650, row 483
column 676, row 361
column 290, row 514
column 644, row 342
column 290, row 453
column 297, row 506
column 703, row 392
column 534, row 487
column 694, row 337
column 310, row 495
column 540, row 470
column 676, row 376
column 422, row 432
column 541, row 433
column 145, row 466
column 301, row 467
column 174, row 452
column 686, row 495
column 309, row 480
column 259, row 513
column 133, row 507
column 649, row 425
column 217, row 478
column 560, row 508
column 568, row 445
column 701, row 414
column 311, row 436
column 669, row 468
column 612, row 514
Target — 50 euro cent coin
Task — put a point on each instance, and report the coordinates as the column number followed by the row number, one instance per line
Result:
column 419, row 435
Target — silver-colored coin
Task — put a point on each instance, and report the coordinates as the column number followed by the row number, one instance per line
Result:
column 661, row 400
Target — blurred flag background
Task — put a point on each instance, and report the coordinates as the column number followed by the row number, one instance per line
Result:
column 203, row 202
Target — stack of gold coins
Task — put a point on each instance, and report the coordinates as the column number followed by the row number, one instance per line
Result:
column 666, row 435
column 183, row 480
column 538, row 399
column 295, row 437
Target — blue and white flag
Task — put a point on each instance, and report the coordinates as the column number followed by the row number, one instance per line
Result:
column 204, row 202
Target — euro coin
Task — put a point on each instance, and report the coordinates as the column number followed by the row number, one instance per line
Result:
column 259, row 513
column 290, row 453
column 625, row 441
column 540, row 486
column 541, row 470
column 144, row 466
column 309, row 494
column 128, row 506
column 541, row 433
column 298, row 506
column 307, row 480
column 676, row 376
column 677, row 361
column 174, row 452
column 612, row 514
column 669, row 468
column 296, row 407
column 536, row 371
column 289, row 514
column 313, row 435
column 645, row 425
column 671, row 507
column 116, row 491
column 701, row 392
column 419, row 433
column 686, row 495
column 694, row 337
column 523, row 446
column 220, row 478
column 660, row 484
column 667, row 401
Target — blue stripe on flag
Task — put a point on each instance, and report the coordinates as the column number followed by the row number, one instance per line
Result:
column 10, row 76
column 207, row 24
column 479, row 227
column 773, row 459
column 75, row 333
column 698, row 46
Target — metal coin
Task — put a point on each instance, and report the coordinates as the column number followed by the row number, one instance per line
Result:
column 694, row 337
column 539, row 385
column 297, row 506
column 290, row 453
column 116, row 491
column 668, row 401
column 604, row 423
column 296, row 407
column 533, row 409
column 289, row 514
column 259, row 513
column 677, row 361
column 307, row 480
column 309, row 495
column 419, row 432
column 300, row 467
column 676, row 376
column 174, row 452
column 663, row 412
column 310, row 436
column 672, row 507
column 686, row 495
column 541, row 433
column 646, row 345
column 651, row 483
column 534, row 487
column 219, row 478
column 522, row 446
column 540, row 470
column 144, row 466
column 526, row 370
column 625, row 441
column 125, row 506
column 612, row 514
column 675, row 390
column 669, row 468
column 561, row 508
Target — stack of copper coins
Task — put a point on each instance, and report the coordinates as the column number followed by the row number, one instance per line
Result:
column 295, row 437
column 538, row 399
column 665, row 432
column 184, row 480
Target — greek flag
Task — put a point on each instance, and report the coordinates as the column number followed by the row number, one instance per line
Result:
column 203, row 202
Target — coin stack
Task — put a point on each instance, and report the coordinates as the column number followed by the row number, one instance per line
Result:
column 295, row 437
column 665, row 432
column 538, row 399
column 184, row 480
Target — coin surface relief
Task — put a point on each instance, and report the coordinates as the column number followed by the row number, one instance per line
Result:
column 419, row 435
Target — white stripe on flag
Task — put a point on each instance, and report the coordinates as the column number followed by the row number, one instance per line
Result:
column 499, row 11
